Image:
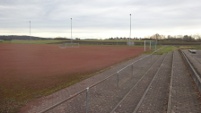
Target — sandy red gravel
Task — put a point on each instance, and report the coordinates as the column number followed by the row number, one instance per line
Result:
column 25, row 68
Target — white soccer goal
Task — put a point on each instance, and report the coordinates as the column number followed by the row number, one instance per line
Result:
column 150, row 44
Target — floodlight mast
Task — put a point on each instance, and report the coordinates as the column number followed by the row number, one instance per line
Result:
column 30, row 29
column 130, row 26
column 71, row 31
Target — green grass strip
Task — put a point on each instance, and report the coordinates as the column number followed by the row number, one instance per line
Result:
column 165, row 50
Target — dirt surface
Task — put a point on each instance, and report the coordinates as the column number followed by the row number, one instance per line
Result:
column 195, row 59
column 184, row 97
column 76, row 105
column 105, row 96
column 130, row 101
column 147, row 86
column 27, row 71
column 149, row 83
column 156, row 98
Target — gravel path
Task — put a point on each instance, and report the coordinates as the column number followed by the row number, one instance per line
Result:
column 130, row 100
column 184, row 97
column 156, row 98
column 195, row 59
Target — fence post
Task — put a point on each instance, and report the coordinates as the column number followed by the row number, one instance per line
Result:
column 133, row 68
column 150, row 45
column 118, row 79
column 144, row 45
column 87, row 99
column 155, row 44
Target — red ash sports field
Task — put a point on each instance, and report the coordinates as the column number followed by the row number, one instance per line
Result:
column 28, row 71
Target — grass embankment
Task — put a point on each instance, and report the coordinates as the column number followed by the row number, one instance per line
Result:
column 191, row 47
column 165, row 49
column 112, row 40
column 31, row 41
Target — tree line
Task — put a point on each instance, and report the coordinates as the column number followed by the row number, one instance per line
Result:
column 187, row 38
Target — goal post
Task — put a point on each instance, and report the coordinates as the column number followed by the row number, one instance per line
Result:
column 150, row 44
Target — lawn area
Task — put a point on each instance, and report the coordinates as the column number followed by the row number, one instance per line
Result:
column 191, row 47
column 165, row 49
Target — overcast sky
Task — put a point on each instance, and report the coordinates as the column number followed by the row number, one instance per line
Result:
column 100, row 18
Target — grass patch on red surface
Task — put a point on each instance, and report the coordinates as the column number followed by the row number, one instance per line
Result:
column 31, row 71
